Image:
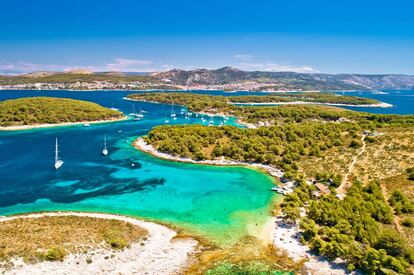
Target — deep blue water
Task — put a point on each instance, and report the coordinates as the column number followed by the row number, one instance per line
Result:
column 402, row 101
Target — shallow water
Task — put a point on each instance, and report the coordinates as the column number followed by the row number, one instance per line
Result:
column 215, row 202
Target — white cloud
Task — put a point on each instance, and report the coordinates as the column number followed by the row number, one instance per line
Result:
column 273, row 67
column 122, row 64
column 244, row 57
column 118, row 64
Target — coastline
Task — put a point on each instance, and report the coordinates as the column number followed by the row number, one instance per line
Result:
column 141, row 145
column 162, row 252
column 282, row 236
column 39, row 126
column 376, row 105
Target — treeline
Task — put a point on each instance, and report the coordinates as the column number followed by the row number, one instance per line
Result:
column 280, row 146
column 194, row 102
column 47, row 110
column 198, row 102
column 306, row 97
column 275, row 115
column 354, row 229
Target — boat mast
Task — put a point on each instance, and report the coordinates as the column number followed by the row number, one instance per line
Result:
column 56, row 151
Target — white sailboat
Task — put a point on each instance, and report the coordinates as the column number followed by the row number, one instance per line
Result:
column 141, row 113
column 105, row 150
column 172, row 112
column 133, row 111
column 58, row 162
column 114, row 109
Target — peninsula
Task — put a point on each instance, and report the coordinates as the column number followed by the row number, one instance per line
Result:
column 336, row 164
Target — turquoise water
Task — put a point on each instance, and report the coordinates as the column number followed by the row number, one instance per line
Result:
column 215, row 202
column 218, row 203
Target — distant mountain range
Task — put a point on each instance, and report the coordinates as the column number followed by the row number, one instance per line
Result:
column 226, row 78
column 227, row 75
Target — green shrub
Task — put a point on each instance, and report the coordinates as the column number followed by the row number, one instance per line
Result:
column 408, row 222
column 56, row 253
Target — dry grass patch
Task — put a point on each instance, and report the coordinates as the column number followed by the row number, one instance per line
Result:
column 52, row 238
column 387, row 156
column 247, row 255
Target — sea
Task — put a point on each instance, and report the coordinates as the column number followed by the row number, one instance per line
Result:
column 220, row 204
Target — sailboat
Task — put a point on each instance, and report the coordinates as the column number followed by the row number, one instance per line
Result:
column 58, row 162
column 105, row 150
column 173, row 115
column 114, row 109
column 133, row 111
column 141, row 113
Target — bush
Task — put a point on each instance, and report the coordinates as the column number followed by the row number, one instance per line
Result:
column 408, row 222
column 56, row 253
column 355, row 144
column 401, row 203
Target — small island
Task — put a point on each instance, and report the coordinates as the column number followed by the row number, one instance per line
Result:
column 203, row 103
column 38, row 112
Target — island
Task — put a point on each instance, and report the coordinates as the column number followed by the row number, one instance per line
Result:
column 346, row 176
column 38, row 112
column 206, row 103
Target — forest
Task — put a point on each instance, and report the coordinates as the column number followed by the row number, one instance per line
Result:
column 280, row 146
column 359, row 228
column 47, row 110
column 356, row 229
column 200, row 102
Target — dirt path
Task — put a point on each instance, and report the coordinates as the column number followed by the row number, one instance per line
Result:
column 345, row 185
column 396, row 219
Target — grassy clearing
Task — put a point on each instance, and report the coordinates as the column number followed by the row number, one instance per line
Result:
column 52, row 238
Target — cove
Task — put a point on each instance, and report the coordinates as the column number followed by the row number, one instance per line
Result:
column 217, row 203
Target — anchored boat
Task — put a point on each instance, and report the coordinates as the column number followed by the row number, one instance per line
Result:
column 58, row 162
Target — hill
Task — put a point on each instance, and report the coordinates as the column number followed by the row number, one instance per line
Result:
column 288, row 80
column 226, row 78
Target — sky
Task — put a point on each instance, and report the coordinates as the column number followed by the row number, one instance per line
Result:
column 364, row 36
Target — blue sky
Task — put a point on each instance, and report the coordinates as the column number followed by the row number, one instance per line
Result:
column 351, row 36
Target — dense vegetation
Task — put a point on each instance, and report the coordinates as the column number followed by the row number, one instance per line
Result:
column 401, row 203
column 354, row 229
column 306, row 97
column 45, row 110
column 197, row 102
column 279, row 145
